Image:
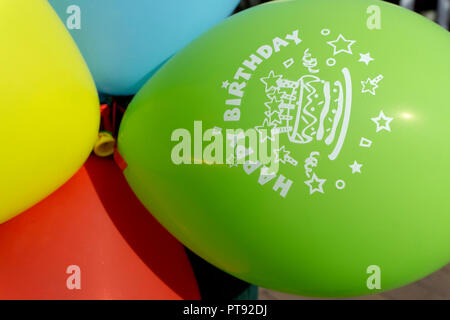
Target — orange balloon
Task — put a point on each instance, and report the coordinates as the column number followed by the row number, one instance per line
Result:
column 94, row 223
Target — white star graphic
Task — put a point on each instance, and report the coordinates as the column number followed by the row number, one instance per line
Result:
column 284, row 152
column 267, row 130
column 366, row 58
column 285, row 156
column 273, row 117
column 369, row 86
column 356, row 167
column 382, row 118
column 342, row 45
column 225, row 84
column 271, row 81
column 314, row 180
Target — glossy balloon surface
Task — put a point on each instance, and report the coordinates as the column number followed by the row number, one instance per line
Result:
column 49, row 109
column 125, row 42
column 357, row 93
column 92, row 239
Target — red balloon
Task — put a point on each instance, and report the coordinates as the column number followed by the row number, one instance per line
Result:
column 96, row 223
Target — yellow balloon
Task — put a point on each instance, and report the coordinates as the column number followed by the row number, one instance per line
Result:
column 49, row 109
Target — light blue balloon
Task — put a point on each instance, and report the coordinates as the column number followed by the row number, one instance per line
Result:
column 126, row 41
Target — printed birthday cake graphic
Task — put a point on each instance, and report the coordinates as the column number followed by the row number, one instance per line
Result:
column 310, row 108
column 309, row 102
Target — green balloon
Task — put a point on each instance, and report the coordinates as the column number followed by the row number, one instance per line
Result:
column 351, row 98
